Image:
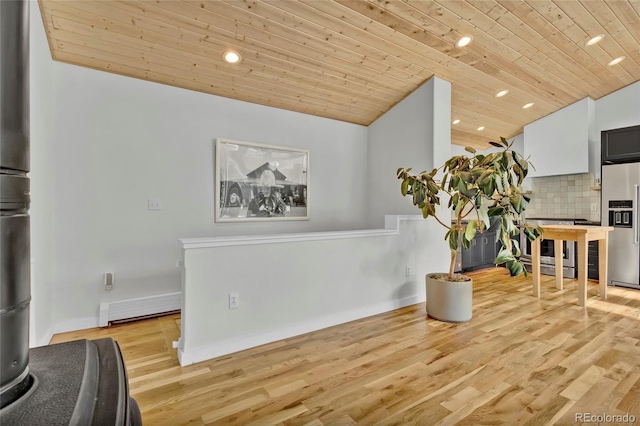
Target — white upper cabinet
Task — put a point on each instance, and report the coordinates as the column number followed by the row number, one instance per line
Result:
column 558, row 144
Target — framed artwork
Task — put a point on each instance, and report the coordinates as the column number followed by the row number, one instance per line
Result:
column 255, row 182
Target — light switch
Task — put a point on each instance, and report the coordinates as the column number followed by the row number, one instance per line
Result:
column 155, row 204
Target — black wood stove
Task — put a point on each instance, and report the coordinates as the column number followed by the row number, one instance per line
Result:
column 76, row 383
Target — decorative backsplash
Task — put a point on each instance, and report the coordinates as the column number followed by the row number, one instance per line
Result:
column 568, row 196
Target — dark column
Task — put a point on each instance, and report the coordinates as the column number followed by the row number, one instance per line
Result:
column 15, row 290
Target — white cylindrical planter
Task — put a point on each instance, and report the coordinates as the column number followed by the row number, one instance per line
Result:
column 449, row 301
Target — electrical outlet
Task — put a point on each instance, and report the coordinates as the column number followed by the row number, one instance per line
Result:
column 594, row 207
column 108, row 281
column 234, row 300
column 154, row 204
column 408, row 271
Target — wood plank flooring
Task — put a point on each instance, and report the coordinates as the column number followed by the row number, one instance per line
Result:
column 520, row 360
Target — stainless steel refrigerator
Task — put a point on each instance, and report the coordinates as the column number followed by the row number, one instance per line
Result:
column 620, row 197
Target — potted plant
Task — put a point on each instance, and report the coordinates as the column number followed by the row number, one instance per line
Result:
column 480, row 187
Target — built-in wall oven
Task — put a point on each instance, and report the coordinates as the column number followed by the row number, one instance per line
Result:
column 547, row 251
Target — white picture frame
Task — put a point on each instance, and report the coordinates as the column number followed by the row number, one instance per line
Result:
column 257, row 182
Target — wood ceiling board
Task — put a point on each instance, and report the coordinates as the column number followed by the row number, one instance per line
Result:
column 212, row 12
column 582, row 28
column 615, row 21
column 491, row 40
column 449, row 74
column 189, row 66
column 552, row 43
column 325, row 56
column 472, row 139
column 353, row 60
column 171, row 80
column 478, row 54
column 153, row 62
column 212, row 53
column 251, row 89
column 352, row 41
column 435, row 61
column 144, row 69
column 284, row 59
column 471, row 120
column 458, row 58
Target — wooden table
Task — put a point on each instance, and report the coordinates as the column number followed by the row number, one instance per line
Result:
column 581, row 234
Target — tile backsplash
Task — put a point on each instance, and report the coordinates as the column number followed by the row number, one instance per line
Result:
column 568, row 196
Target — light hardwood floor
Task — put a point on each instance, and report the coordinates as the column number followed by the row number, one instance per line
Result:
column 520, row 360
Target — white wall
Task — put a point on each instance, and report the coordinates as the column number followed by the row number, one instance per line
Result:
column 459, row 150
column 619, row 109
column 120, row 141
column 414, row 133
column 41, row 121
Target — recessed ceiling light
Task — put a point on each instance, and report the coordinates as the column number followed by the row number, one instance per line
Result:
column 529, row 105
column 456, row 121
column 616, row 61
column 594, row 40
column 481, row 128
column 501, row 93
column 464, row 41
column 231, row 56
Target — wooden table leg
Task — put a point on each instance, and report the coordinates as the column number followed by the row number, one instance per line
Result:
column 535, row 266
column 603, row 264
column 583, row 253
column 558, row 253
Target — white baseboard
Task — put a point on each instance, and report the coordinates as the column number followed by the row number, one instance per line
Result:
column 44, row 340
column 47, row 337
column 76, row 324
column 228, row 346
column 64, row 327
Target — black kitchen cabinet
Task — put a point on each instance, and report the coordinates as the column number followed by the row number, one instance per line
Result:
column 467, row 260
column 593, row 269
column 621, row 145
column 481, row 252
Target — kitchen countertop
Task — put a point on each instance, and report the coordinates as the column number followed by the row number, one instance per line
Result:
column 564, row 219
column 576, row 221
column 569, row 231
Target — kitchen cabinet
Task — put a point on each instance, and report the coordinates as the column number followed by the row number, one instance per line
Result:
column 621, row 145
column 458, row 266
column 593, row 269
column 558, row 144
column 481, row 252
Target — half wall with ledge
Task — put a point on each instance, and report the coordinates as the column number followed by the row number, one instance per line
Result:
column 290, row 284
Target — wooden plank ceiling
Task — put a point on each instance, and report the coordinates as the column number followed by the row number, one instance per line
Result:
column 354, row 60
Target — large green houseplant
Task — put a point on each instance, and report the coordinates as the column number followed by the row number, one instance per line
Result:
column 479, row 187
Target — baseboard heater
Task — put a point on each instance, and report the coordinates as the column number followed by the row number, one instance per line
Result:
column 139, row 308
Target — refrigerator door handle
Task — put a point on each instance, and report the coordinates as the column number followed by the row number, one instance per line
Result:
column 636, row 237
